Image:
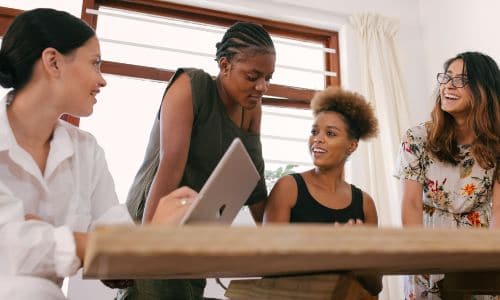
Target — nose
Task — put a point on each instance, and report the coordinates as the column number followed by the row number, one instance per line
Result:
column 262, row 85
column 102, row 82
column 317, row 139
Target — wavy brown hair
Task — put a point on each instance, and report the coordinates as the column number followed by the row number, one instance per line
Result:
column 483, row 77
column 357, row 113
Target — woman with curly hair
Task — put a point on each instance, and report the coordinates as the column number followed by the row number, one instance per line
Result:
column 448, row 166
column 341, row 119
column 321, row 195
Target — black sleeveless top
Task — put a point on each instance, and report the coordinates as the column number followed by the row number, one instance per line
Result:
column 307, row 209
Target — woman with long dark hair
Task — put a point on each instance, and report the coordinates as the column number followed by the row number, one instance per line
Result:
column 448, row 166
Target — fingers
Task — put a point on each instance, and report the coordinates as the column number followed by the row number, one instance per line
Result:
column 182, row 192
column 350, row 222
column 172, row 208
column 28, row 217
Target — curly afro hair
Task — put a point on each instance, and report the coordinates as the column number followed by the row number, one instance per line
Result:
column 357, row 113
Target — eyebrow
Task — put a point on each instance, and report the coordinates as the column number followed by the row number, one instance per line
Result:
column 259, row 73
column 449, row 72
column 333, row 127
column 328, row 127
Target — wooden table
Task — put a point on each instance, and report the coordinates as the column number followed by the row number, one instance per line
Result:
column 198, row 251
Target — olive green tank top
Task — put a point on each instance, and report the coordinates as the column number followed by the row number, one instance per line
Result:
column 212, row 133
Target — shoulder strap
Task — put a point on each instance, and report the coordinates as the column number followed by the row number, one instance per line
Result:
column 357, row 201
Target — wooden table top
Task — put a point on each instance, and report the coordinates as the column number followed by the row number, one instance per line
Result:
column 203, row 251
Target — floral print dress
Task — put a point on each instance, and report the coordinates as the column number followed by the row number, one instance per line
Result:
column 454, row 196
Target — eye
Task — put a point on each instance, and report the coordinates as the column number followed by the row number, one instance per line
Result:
column 459, row 80
column 314, row 131
column 268, row 78
column 330, row 133
column 97, row 64
column 252, row 77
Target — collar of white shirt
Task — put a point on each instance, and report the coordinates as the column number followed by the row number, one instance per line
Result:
column 61, row 146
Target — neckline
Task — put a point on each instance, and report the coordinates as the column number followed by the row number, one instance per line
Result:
column 321, row 204
column 222, row 108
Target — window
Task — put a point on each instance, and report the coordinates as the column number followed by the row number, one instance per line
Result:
column 133, row 17
column 138, row 66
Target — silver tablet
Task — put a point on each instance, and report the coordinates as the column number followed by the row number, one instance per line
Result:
column 226, row 190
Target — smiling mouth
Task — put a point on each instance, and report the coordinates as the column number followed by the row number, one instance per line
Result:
column 450, row 96
column 317, row 150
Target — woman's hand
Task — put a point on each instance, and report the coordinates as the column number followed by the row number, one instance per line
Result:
column 350, row 222
column 28, row 217
column 172, row 208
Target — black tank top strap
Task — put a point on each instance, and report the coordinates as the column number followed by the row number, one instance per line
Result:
column 302, row 194
column 357, row 202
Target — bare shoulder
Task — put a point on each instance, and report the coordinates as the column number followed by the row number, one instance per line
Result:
column 285, row 190
column 281, row 201
column 181, row 86
column 179, row 98
column 286, row 182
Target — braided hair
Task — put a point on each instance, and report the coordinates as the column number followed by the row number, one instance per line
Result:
column 244, row 36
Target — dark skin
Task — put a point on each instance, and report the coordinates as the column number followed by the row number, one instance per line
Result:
column 330, row 145
column 241, row 83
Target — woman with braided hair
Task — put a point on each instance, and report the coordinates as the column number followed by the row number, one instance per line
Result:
column 198, row 119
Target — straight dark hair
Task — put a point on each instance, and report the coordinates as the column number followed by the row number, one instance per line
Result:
column 32, row 32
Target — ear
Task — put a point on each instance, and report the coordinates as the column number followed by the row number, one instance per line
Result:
column 224, row 65
column 352, row 147
column 51, row 59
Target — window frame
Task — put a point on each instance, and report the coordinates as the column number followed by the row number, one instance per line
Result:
column 288, row 96
column 281, row 95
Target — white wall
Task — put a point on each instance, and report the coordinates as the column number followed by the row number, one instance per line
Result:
column 453, row 26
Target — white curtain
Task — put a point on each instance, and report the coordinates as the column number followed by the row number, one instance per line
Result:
column 383, row 87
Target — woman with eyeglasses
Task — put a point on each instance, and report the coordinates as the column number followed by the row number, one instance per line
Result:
column 448, row 166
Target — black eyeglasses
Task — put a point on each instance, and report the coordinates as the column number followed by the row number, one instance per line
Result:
column 458, row 81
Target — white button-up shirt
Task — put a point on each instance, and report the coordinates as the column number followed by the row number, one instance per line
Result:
column 75, row 193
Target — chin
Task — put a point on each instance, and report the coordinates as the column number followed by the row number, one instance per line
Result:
column 249, row 105
column 83, row 114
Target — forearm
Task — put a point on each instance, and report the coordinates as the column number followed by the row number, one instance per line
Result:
column 257, row 211
column 412, row 214
column 412, row 204
column 39, row 249
column 165, row 181
column 495, row 214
